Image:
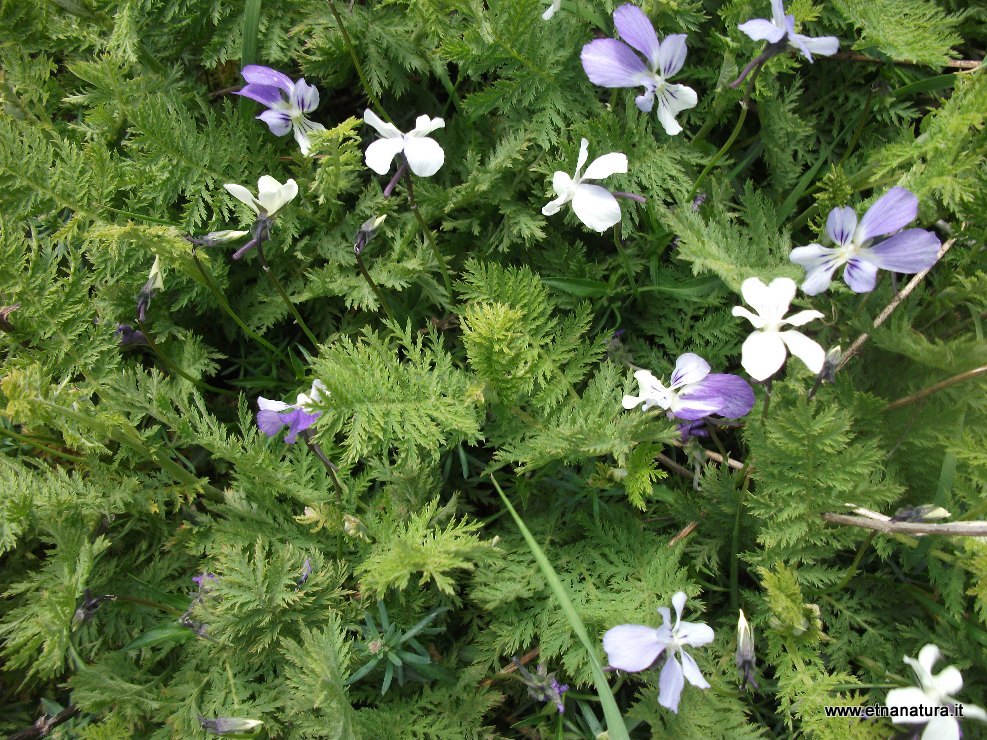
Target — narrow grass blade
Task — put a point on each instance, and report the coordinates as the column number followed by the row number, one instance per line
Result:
column 615, row 723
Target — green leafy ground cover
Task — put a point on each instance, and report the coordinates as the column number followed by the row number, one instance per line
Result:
column 473, row 500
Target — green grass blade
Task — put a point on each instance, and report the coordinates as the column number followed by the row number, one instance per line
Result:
column 248, row 47
column 615, row 723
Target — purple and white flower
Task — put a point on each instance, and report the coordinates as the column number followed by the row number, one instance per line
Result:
column 765, row 350
column 694, row 392
column 274, row 416
column 932, row 691
column 613, row 63
column 423, row 153
column 594, row 205
column 634, row 647
column 782, row 26
column 287, row 102
column 912, row 250
column 271, row 196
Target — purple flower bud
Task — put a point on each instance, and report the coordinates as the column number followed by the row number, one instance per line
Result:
column 306, row 572
column 129, row 336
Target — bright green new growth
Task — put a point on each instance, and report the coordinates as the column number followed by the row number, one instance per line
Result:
column 127, row 471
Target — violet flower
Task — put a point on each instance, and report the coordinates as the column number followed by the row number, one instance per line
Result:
column 287, row 102
column 694, row 393
column 912, row 250
column 781, row 28
column 612, row 63
column 634, row 647
column 274, row 416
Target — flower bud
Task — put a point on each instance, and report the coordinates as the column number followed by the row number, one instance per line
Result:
column 228, row 725
column 745, row 651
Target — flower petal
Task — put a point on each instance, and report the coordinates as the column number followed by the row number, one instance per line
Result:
column 678, row 603
column 949, row 681
column 762, row 354
column 672, row 99
column 860, row 275
column 819, row 262
column 381, row 153
column 942, row 728
column 278, row 121
column 264, row 94
column 760, row 29
column 257, row 74
column 756, row 320
column 770, row 301
column 645, row 101
column 612, row 63
column 778, row 13
column 551, row 10
column 928, row 656
column 387, row 130
column 596, row 207
column 425, row 125
column 272, row 195
column 906, row 699
column 695, row 634
column 805, row 349
column 297, row 421
column 301, row 130
column 632, row 647
column 911, row 250
column 729, row 395
column 635, row 28
column 581, row 157
column 672, row 56
column 269, row 422
column 841, row 224
column 266, row 404
column 803, row 317
column 243, row 195
column 424, row 155
column 691, row 670
column 305, row 97
column 689, row 368
column 609, row 164
column 554, row 206
column 891, row 212
column 824, row 46
column 670, row 684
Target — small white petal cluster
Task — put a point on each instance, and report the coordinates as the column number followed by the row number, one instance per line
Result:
column 595, row 206
column 765, row 350
column 423, row 153
column 271, row 196
column 932, row 692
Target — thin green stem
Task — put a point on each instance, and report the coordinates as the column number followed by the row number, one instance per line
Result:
column 374, row 287
column 317, row 450
column 767, row 400
column 175, row 370
column 211, row 284
column 744, row 106
column 356, row 61
column 284, row 296
column 413, row 205
column 852, row 571
column 716, row 440
column 50, row 450
column 141, row 217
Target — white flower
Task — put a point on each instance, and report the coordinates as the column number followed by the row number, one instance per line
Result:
column 271, row 195
column 764, row 351
column 934, row 691
column 423, row 153
column 595, row 206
